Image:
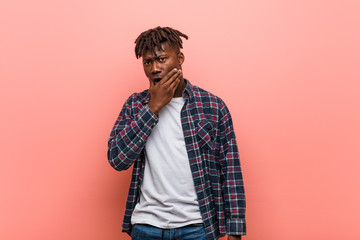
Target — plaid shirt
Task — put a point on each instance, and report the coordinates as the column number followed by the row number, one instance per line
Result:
column 211, row 148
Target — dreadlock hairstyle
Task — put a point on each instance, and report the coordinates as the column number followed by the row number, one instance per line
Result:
column 154, row 37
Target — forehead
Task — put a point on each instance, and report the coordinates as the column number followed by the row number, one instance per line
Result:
column 167, row 49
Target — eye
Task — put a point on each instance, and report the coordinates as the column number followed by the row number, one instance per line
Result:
column 147, row 63
column 162, row 59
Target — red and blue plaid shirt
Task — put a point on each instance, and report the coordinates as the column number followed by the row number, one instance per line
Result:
column 211, row 148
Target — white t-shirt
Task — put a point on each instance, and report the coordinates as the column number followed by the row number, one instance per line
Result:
column 168, row 198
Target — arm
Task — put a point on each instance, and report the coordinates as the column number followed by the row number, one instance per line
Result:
column 129, row 135
column 232, row 185
column 130, row 132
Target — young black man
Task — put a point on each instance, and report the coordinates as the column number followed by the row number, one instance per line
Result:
column 187, row 182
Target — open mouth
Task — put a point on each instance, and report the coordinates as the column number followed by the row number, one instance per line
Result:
column 156, row 80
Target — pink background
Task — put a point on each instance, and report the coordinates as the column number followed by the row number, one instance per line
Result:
column 288, row 71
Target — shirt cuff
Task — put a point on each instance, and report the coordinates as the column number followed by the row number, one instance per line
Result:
column 147, row 117
column 236, row 226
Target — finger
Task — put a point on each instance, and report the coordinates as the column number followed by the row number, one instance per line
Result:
column 172, row 79
column 176, row 82
column 168, row 76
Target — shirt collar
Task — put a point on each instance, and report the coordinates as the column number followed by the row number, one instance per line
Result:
column 188, row 90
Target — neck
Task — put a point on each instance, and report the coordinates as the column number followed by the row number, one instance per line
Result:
column 180, row 88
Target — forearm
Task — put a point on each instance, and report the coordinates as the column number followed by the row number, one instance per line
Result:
column 232, row 185
column 128, row 138
column 233, row 192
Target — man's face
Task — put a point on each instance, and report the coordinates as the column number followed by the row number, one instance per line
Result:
column 157, row 65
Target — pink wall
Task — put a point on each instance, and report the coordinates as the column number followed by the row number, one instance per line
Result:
column 288, row 70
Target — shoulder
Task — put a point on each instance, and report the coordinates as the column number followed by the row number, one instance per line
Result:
column 135, row 102
column 138, row 97
column 208, row 99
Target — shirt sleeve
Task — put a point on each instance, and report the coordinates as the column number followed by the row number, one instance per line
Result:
column 232, row 186
column 129, row 134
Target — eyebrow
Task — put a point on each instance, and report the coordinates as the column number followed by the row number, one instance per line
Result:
column 160, row 55
column 156, row 57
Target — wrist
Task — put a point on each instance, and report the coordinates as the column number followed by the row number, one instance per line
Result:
column 234, row 237
column 154, row 108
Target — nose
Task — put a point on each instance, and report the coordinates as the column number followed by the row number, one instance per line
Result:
column 155, row 68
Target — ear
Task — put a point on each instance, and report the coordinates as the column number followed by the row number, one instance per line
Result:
column 181, row 58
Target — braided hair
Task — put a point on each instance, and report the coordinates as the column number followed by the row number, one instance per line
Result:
column 153, row 38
